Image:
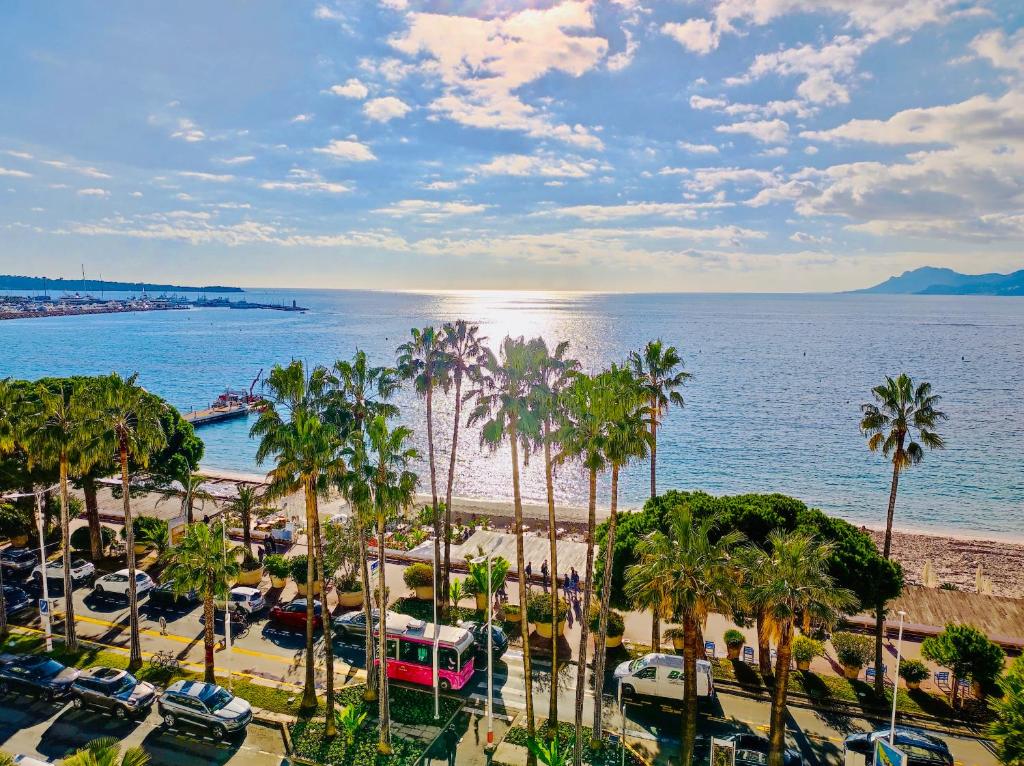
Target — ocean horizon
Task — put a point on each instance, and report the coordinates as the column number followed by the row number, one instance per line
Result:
column 773, row 406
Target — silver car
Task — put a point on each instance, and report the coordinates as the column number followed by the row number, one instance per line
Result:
column 204, row 706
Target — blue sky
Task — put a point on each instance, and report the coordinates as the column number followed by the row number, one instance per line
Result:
column 747, row 145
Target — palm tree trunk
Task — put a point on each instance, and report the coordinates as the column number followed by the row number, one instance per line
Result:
column 524, row 625
column 686, row 744
column 383, row 714
column 440, row 599
column 3, row 608
column 596, row 736
column 448, row 493
column 364, row 573
column 70, row 638
column 553, row 545
column 655, row 631
column 135, row 648
column 92, row 515
column 330, row 728
column 309, row 689
column 246, row 515
column 880, row 607
column 208, row 636
column 764, row 658
column 588, row 584
column 777, row 730
column 654, row 449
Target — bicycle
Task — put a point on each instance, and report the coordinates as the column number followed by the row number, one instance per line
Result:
column 165, row 660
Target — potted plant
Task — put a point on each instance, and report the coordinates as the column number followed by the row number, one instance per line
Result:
column 298, row 573
column 251, row 570
column 678, row 638
column 913, row 672
column 342, row 562
column 538, row 611
column 476, row 583
column 420, row 577
column 16, row 521
column 616, row 627
column 278, row 568
column 734, row 641
column 150, row 533
column 804, row 650
column 853, row 652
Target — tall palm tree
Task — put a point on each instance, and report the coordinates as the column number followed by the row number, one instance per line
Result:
column 627, row 439
column 696, row 566
column 901, row 409
column 106, row 751
column 248, row 502
column 583, row 436
column 365, row 391
column 307, row 457
column 462, row 346
column 190, row 492
column 504, row 407
column 57, row 435
column 12, row 406
column 789, row 578
column 128, row 426
column 203, row 562
column 554, row 374
column 424, row 361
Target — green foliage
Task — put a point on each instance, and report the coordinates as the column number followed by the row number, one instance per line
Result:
column 349, row 719
column 106, row 751
column 341, row 555
column 150, row 531
column 538, row 608
column 456, row 591
column 734, row 637
column 552, row 753
column 853, row 650
column 15, row 519
column 616, row 622
column 967, row 652
column 80, row 540
column 298, row 566
column 913, row 671
column 806, row 649
column 605, row 755
column 278, row 566
column 477, row 580
column 419, row 575
column 1008, row 727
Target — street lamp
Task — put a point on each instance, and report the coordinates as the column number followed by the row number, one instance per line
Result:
column 44, row 615
column 434, row 663
column 490, row 648
column 896, row 682
column 227, row 603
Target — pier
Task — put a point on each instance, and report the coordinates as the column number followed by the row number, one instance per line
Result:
column 215, row 414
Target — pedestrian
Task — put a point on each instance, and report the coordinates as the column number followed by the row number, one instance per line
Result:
column 271, row 548
column 545, row 572
column 529, row 573
column 260, row 553
column 575, row 581
column 163, row 625
column 567, row 585
column 502, row 593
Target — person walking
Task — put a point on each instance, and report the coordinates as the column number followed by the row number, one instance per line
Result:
column 567, row 586
column 575, row 583
column 529, row 576
column 545, row 573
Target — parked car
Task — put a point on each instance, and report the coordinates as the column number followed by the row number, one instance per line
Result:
column 661, row 675
column 204, row 706
column 752, row 750
column 35, row 674
column 499, row 641
column 27, row 760
column 245, row 599
column 18, row 561
column 293, row 614
column 81, row 570
column 352, row 625
column 164, row 595
column 919, row 747
column 15, row 600
column 117, row 583
column 113, row 691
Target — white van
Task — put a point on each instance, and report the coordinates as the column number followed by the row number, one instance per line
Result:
column 661, row 675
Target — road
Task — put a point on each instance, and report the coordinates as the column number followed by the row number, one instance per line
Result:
column 275, row 654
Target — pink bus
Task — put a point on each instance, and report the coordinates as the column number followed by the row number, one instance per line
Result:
column 410, row 649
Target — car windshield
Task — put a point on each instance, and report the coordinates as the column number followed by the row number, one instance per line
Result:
column 126, row 684
column 639, row 664
column 218, row 699
column 49, row 668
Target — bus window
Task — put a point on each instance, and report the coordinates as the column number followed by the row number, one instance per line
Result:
column 448, row 659
column 392, row 646
column 419, row 654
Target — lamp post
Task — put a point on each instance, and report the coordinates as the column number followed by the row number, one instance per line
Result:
column 490, row 648
column 227, row 604
column 434, row 662
column 896, row 682
column 44, row 615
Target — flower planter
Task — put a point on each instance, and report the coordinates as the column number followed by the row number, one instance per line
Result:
column 350, row 598
column 912, row 685
column 278, row 582
column 851, row 672
column 734, row 651
column 301, row 588
column 678, row 643
column 250, row 576
column 424, row 592
column 544, row 628
column 19, row 541
column 481, row 602
column 612, row 642
column 803, row 665
column 140, row 549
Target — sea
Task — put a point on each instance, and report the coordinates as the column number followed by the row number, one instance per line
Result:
column 773, row 405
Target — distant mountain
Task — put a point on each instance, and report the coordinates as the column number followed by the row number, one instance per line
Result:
column 38, row 284
column 929, row 280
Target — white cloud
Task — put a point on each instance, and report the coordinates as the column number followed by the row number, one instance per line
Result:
column 686, row 146
column 386, row 109
column 696, row 35
column 1002, row 52
column 763, row 111
column 812, row 150
column 135, row 194
column 546, row 166
column 765, row 131
column 623, row 58
column 429, row 210
column 441, row 185
column 93, row 192
column 188, row 131
column 305, row 117
column 84, row 170
column 710, row 179
column 326, row 13
column 396, row 5
column 597, row 213
column 212, row 177
column 804, row 238
column 352, row 88
column 390, row 69
column 348, row 151
column 240, row 160
column 14, row 173
column 306, row 186
column 19, row 155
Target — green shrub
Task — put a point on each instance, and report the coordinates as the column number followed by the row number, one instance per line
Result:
column 80, row 540
column 15, row 520
column 616, row 623
column 147, row 530
column 806, row 649
column 852, row 650
column 734, row 638
column 278, row 566
column 967, row 652
column 913, row 671
column 419, row 575
column 538, row 608
column 673, row 633
column 298, row 569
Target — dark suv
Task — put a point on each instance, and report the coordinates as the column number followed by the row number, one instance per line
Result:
column 35, row 674
column 18, row 561
column 113, row 691
column 204, row 706
column 15, row 600
column 499, row 641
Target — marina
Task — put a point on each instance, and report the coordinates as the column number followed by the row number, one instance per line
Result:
column 79, row 304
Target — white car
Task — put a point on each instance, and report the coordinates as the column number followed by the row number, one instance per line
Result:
column 339, row 519
column 118, row 583
column 661, row 675
column 248, row 600
column 81, row 570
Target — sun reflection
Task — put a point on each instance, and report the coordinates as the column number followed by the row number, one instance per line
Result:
column 510, row 312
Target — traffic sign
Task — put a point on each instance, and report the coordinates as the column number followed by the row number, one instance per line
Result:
column 44, row 607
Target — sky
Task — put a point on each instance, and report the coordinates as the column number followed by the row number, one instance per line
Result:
column 639, row 145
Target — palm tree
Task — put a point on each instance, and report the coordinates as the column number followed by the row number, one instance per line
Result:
column 191, row 491
column 365, row 391
column 203, row 562
column 307, row 456
column 106, row 751
column 128, row 423
column 627, row 439
column 789, row 579
column 12, row 405
column 900, row 409
column 424, row 361
column 248, row 502
column 554, row 373
column 582, row 436
column 462, row 348
column 694, row 563
column 503, row 405
column 659, row 367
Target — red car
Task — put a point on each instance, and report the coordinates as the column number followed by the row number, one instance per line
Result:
column 293, row 614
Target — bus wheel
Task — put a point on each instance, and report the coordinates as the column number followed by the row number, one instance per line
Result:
column 445, row 684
